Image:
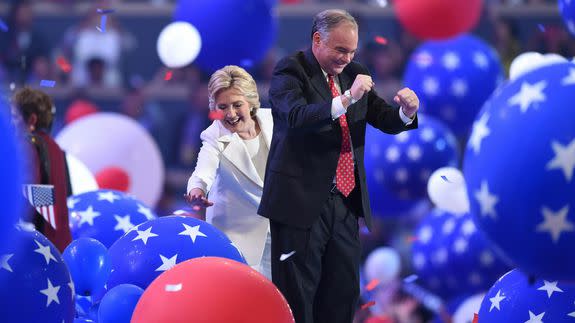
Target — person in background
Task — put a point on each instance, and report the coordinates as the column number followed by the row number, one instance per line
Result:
column 22, row 46
column 47, row 161
column 231, row 165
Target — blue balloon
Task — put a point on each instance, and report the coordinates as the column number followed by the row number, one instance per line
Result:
column 452, row 257
column 105, row 215
column 89, row 265
column 516, row 298
column 567, row 9
column 233, row 32
column 119, row 303
column 36, row 284
column 453, row 78
column 11, row 169
column 403, row 163
column 519, row 166
column 153, row 247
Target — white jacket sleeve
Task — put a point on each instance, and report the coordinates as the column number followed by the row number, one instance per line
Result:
column 207, row 164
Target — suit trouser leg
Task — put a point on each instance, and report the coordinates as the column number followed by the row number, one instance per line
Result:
column 321, row 279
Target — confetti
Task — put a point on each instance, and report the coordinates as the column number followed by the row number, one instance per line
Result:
column 475, row 318
column 367, row 305
column 63, row 64
column 372, row 285
column 105, row 11
column 102, row 27
column 285, row 256
column 541, row 27
column 168, row 76
column 380, row 40
column 173, row 288
column 216, row 115
column 47, row 83
column 3, row 25
column 410, row 279
column 445, row 178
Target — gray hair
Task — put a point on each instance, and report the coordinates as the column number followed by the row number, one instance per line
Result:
column 328, row 19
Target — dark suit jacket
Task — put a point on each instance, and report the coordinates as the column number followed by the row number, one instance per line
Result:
column 306, row 142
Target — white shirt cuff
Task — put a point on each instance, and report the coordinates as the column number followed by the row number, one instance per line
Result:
column 406, row 120
column 337, row 108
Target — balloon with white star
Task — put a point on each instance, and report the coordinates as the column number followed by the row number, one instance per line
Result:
column 403, row 163
column 473, row 261
column 517, row 298
column 153, row 247
column 36, row 284
column 519, row 166
column 106, row 215
column 452, row 258
column 567, row 9
column 453, row 78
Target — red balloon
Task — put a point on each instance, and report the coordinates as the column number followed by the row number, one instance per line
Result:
column 212, row 289
column 113, row 178
column 79, row 108
column 438, row 19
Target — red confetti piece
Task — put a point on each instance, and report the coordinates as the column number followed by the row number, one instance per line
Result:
column 380, row 40
column 372, row 284
column 63, row 64
column 216, row 115
column 367, row 305
column 168, row 76
column 475, row 318
column 412, row 239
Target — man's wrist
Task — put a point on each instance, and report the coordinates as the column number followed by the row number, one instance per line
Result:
column 348, row 95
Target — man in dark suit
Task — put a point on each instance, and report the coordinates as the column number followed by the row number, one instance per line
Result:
column 315, row 187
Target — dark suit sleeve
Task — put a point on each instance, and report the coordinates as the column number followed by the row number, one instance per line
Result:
column 288, row 97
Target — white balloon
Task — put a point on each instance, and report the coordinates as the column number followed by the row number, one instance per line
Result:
column 383, row 264
column 531, row 61
column 179, row 44
column 446, row 189
column 81, row 177
column 106, row 139
column 466, row 311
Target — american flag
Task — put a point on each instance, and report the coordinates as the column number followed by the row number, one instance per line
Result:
column 41, row 197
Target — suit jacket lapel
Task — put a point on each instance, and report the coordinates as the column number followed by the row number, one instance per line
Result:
column 236, row 152
column 317, row 79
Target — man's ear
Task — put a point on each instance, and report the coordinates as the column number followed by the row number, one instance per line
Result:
column 31, row 122
column 316, row 38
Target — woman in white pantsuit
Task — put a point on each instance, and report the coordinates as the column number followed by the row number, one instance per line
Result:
column 228, row 178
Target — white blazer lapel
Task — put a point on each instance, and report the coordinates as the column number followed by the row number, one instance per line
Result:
column 236, row 152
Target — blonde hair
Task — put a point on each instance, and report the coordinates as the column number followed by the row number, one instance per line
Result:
column 234, row 77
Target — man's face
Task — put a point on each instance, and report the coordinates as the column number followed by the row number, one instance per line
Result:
column 336, row 51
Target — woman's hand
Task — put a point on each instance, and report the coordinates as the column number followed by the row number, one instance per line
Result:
column 197, row 198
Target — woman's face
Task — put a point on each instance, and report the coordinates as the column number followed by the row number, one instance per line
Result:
column 235, row 109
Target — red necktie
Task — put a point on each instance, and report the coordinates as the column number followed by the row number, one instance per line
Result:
column 344, row 176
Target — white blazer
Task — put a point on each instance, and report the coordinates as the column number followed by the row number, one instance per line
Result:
column 225, row 170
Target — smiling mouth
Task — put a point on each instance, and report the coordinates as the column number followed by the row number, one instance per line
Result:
column 234, row 121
